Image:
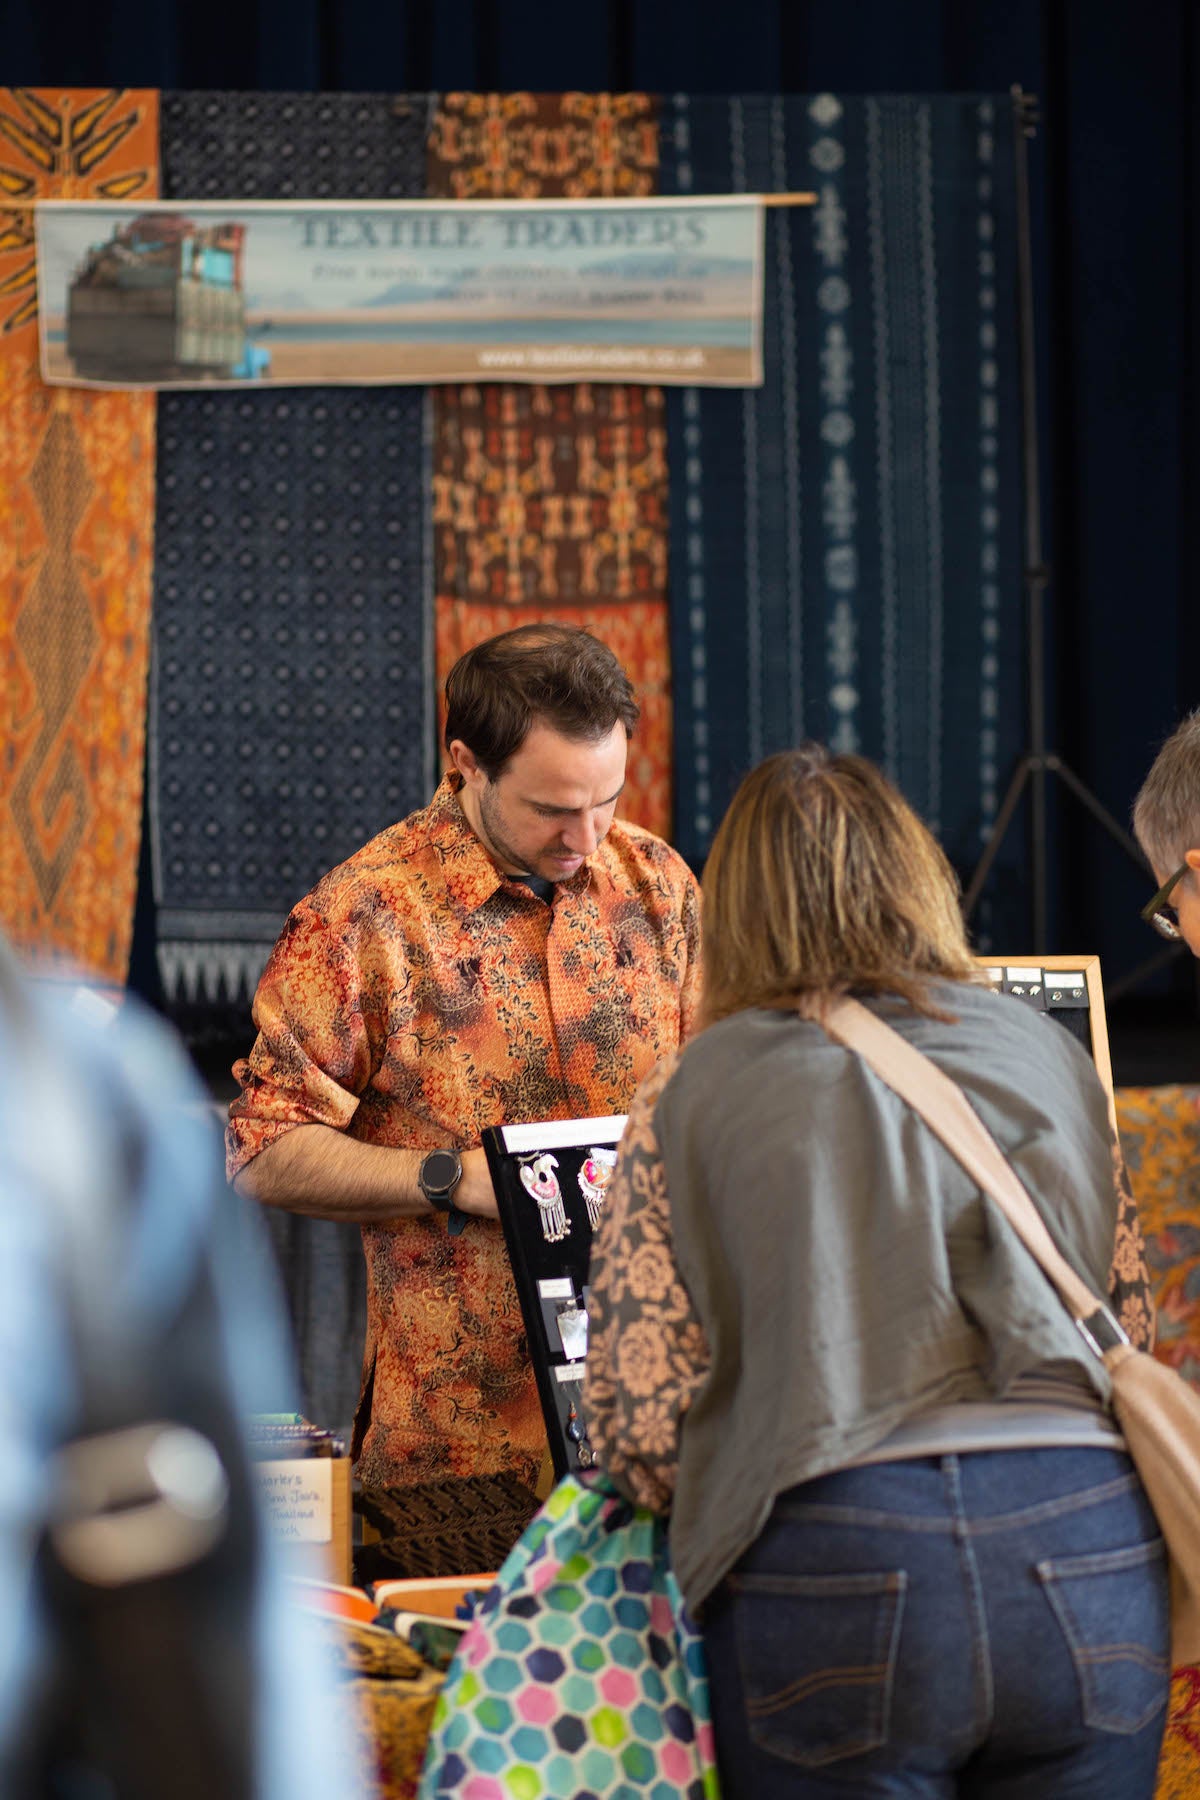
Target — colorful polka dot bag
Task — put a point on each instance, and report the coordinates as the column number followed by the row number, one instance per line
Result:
column 581, row 1677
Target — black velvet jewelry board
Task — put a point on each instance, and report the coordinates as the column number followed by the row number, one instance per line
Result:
column 1065, row 989
column 550, row 1275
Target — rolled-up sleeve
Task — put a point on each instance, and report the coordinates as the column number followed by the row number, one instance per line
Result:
column 647, row 1352
column 312, row 1057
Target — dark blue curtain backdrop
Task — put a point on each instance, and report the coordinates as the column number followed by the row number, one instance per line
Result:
column 1115, row 231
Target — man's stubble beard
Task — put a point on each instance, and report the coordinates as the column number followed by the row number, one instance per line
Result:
column 489, row 817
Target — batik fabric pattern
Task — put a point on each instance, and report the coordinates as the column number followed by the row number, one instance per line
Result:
column 845, row 540
column 76, row 551
column 292, row 712
column 385, row 1695
column 418, row 996
column 1179, row 1762
column 1160, row 1136
column 550, row 502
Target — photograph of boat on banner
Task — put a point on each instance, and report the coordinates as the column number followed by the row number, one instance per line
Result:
column 192, row 294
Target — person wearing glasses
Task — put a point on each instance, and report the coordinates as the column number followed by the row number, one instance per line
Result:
column 1166, row 823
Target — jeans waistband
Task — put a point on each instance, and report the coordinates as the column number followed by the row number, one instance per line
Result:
column 980, row 1491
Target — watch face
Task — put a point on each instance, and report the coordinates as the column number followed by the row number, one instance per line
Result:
column 439, row 1171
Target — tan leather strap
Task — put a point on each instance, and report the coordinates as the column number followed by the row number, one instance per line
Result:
column 950, row 1115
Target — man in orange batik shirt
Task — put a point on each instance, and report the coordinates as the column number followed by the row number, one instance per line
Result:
column 511, row 952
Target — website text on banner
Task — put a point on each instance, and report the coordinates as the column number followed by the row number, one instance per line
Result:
column 216, row 293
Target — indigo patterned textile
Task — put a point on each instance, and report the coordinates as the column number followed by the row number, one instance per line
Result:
column 845, row 540
column 226, row 146
column 292, row 688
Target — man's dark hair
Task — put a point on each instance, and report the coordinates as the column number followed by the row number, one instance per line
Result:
column 557, row 674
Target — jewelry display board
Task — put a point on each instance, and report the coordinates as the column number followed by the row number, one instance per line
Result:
column 1068, row 989
column 550, row 1181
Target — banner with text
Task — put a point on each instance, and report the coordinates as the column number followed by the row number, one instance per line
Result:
column 204, row 293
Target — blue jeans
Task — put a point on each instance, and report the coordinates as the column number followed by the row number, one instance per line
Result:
column 993, row 1624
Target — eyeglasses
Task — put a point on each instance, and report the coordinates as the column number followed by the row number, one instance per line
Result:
column 1157, row 913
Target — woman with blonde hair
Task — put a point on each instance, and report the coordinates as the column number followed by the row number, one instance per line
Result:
column 921, row 1558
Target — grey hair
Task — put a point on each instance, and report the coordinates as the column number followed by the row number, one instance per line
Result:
column 1166, row 813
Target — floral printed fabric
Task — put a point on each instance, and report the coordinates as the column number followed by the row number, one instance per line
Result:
column 649, row 1356
column 417, row 996
column 1160, row 1134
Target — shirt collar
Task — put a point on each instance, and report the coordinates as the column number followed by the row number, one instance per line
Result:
column 471, row 875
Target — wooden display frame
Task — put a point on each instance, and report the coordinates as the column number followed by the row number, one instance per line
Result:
column 1089, row 967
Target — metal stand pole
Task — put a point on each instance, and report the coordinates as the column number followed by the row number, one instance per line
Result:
column 1037, row 762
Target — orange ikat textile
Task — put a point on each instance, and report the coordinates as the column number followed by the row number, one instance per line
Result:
column 550, row 502
column 543, row 146
column 76, row 550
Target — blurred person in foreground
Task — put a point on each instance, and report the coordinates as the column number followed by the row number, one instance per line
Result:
column 148, row 1650
column 922, row 1561
column 1166, row 823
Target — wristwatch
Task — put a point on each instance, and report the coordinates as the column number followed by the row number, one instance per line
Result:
column 439, row 1175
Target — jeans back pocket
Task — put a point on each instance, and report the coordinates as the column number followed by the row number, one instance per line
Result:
column 1114, row 1611
column 817, row 1656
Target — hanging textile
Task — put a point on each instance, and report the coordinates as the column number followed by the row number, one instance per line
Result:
column 76, row 548
column 292, row 690
column 291, row 695
column 845, row 541
column 551, row 502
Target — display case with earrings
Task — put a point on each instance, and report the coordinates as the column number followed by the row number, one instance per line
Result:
column 551, row 1180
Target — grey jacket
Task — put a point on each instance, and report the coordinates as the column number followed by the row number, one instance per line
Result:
column 847, row 1272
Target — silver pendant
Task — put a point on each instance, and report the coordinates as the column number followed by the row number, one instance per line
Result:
column 573, row 1331
column 538, row 1178
column 594, row 1179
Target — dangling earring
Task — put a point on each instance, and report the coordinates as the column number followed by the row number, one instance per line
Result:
column 594, row 1179
column 576, row 1429
column 538, row 1178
